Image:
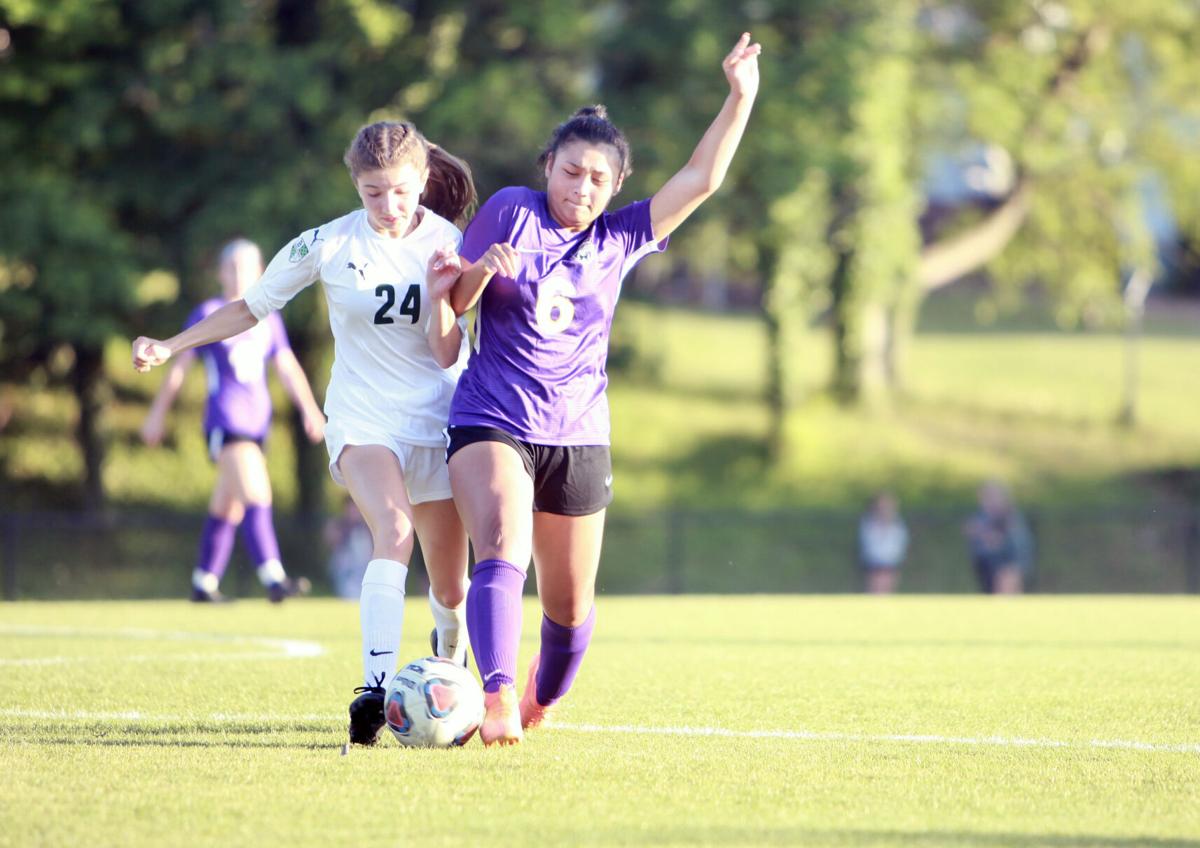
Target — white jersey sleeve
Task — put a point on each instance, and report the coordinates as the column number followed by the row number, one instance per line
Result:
column 294, row 268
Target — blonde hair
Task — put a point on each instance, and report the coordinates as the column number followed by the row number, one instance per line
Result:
column 450, row 189
column 236, row 246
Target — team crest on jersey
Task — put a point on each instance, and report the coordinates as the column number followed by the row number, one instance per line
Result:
column 300, row 249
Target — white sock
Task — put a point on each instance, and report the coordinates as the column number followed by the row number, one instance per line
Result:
column 205, row 581
column 451, row 626
column 381, row 612
column 271, row 572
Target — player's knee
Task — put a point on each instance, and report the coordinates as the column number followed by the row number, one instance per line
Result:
column 395, row 534
column 227, row 509
column 451, row 596
column 495, row 541
column 571, row 610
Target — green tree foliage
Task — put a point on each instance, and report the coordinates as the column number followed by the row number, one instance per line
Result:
column 1087, row 99
column 137, row 137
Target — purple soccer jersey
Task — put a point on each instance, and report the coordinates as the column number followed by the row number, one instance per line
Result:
column 238, row 399
column 538, row 367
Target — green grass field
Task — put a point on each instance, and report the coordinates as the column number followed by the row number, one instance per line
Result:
column 930, row 721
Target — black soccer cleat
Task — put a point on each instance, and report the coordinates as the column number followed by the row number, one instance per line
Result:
column 366, row 715
column 289, row 587
column 433, row 647
column 203, row 596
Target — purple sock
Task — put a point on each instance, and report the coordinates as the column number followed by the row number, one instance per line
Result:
column 216, row 544
column 494, row 620
column 562, row 654
column 258, row 532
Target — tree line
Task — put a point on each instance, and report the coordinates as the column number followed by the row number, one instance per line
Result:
column 137, row 136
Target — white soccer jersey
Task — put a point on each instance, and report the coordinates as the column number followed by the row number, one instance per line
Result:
column 383, row 370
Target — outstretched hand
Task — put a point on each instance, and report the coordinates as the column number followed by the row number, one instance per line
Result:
column 147, row 353
column 443, row 272
column 741, row 66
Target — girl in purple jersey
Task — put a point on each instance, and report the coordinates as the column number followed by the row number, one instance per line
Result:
column 529, row 439
column 237, row 416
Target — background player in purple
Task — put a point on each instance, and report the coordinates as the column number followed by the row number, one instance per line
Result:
column 529, row 428
column 237, row 417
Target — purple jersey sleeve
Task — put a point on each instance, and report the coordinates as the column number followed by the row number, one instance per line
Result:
column 492, row 223
column 632, row 226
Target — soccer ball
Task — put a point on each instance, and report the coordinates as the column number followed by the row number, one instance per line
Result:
column 433, row 703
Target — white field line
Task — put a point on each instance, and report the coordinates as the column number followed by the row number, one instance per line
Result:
column 276, row 648
column 911, row 738
column 282, row 722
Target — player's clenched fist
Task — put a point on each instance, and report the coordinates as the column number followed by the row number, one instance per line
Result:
column 501, row 258
column 148, row 353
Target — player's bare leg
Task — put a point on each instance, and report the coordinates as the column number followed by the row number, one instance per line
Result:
column 376, row 483
column 247, row 468
column 882, row 581
column 566, row 554
column 1008, row 580
column 494, row 495
column 444, row 546
column 225, row 513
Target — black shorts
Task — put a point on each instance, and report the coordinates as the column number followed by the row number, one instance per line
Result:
column 219, row 437
column 567, row 479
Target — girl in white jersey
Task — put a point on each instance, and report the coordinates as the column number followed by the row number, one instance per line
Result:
column 390, row 386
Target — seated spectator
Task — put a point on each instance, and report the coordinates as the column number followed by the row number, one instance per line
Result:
column 882, row 544
column 1000, row 542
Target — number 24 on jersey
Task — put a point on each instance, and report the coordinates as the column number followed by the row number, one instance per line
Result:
column 410, row 305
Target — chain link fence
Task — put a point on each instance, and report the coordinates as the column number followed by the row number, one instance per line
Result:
column 145, row 554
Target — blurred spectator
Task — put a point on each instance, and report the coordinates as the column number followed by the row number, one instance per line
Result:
column 1000, row 541
column 882, row 544
column 351, row 548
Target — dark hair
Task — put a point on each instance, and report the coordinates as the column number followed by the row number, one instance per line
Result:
column 450, row 189
column 590, row 124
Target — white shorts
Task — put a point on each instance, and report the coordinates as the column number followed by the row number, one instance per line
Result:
column 426, row 476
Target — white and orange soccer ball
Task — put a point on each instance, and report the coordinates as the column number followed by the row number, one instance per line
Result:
column 433, row 703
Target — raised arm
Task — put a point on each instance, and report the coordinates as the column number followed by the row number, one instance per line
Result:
column 704, row 172
column 232, row 318
column 296, row 384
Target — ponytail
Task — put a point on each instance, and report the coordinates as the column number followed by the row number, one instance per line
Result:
column 450, row 190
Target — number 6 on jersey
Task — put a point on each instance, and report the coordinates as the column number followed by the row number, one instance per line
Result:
column 554, row 311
